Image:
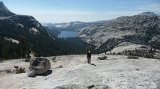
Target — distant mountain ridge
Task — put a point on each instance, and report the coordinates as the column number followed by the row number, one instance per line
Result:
column 149, row 14
column 74, row 26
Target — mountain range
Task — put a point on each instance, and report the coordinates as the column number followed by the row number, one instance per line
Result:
column 143, row 29
column 22, row 34
column 72, row 26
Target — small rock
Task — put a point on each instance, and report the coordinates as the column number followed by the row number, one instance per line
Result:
column 16, row 67
column 102, row 58
column 90, row 87
column 60, row 66
column 54, row 59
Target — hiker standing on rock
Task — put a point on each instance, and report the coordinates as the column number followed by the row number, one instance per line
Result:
column 89, row 57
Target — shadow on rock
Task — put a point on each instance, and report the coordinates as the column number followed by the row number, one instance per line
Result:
column 93, row 64
column 74, row 86
column 45, row 74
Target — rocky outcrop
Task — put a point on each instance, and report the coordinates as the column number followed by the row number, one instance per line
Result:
column 38, row 66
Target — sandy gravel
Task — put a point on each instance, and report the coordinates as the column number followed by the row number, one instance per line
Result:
column 117, row 72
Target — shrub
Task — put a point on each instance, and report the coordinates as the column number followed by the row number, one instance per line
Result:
column 20, row 70
column 142, row 53
column 54, row 59
column 149, row 55
column 119, row 53
column 8, row 71
column 133, row 57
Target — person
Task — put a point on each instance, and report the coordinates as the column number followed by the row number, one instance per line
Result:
column 105, row 51
column 89, row 57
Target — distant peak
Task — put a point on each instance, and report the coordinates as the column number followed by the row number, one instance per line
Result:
column 4, row 11
column 1, row 3
column 149, row 14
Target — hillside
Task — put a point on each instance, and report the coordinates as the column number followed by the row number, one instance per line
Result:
column 51, row 29
column 117, row 72
column 143, row 29
column 22, row 34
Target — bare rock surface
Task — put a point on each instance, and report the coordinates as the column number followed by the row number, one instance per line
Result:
column 117, row 72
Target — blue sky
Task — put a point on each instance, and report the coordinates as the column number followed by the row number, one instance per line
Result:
column 55, row 11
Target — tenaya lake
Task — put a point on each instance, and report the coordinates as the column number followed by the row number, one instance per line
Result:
column 66, row 34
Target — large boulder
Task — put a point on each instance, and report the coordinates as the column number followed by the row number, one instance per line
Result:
column 38, row 66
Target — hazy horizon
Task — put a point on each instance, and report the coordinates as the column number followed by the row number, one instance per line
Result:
column 59, row 11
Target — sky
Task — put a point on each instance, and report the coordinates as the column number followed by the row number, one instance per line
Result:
column 58, row 11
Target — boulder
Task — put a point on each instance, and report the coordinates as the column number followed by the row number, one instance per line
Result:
column 38, row 66
column 102, row 58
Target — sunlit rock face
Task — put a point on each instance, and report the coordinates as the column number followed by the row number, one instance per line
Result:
column 143, row 29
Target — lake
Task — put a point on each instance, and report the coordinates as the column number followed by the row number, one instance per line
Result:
column 66, row 34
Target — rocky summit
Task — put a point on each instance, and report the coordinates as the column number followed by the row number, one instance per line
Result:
column 4, row 11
